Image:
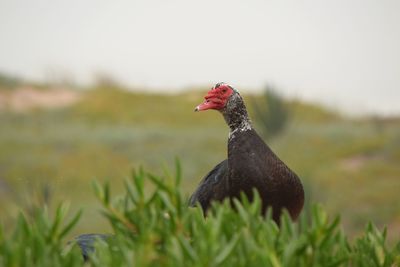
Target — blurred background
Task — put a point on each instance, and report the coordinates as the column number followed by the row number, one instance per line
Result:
column 93, row 89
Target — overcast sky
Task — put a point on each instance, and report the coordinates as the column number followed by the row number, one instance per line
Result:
column 340, row 52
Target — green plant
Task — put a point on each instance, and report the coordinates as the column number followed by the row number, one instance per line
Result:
column 38, row 241
column 153, row 226
column 160, row 230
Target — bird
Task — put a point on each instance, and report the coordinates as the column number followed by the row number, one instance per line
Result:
column 251, row 164
column 86, row 243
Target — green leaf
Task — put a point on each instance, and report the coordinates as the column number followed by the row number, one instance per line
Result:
column 242, row 212
column 138, row 179
column 159, row 183
column 71, row 224
column 187, row 249
column 98, row 190
column 227, row 250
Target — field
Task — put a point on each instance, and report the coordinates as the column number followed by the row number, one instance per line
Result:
column 48, row 155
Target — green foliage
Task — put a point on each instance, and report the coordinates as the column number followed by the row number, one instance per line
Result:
column 159, row 229
column 272, row 114
column 38, row 241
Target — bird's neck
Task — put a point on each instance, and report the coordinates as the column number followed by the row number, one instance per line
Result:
column 235, row 115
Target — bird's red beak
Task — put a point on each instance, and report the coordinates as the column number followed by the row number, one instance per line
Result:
column 210, row 103
column 215, row 98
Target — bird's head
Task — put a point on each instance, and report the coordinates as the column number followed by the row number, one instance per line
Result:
column 217, row 98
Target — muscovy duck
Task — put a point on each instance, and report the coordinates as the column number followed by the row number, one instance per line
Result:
column 86, row 243
column 250, row 164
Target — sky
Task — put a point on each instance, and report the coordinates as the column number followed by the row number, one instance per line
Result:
column 343, row 53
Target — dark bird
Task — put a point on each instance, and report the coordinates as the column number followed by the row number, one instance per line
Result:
column 86, row 243
column 251, row 164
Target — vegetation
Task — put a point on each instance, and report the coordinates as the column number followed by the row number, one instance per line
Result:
column 159, row 229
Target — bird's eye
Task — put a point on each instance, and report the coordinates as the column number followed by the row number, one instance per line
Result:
column 224, row 91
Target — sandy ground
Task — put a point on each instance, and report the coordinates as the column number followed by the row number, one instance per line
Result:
column 28, row 98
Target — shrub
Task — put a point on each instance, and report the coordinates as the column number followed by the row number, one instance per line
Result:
column 157, row 228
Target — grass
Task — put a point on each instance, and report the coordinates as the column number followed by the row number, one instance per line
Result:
column 157, row 228
column 349, row 165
